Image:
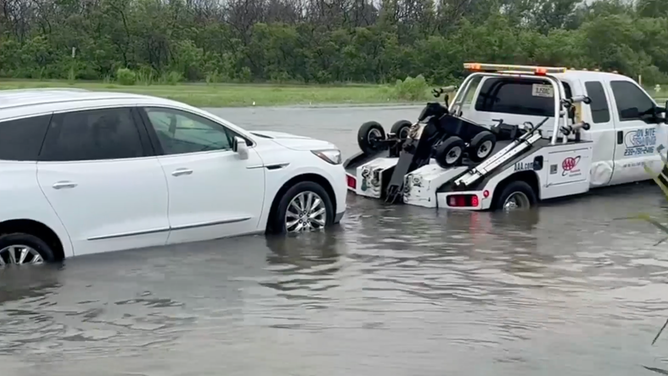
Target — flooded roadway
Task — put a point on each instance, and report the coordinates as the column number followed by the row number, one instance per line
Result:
column 564, row 290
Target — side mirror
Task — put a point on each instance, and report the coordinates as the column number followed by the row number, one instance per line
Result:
column 631, row 113
column 662, row 115
column 240, row 147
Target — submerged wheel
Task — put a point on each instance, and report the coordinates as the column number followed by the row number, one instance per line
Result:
column 449, row 152
column 306, row 206
column 23, row 249
column 518, row 195
column 482, row 146
column 368, row 136
column 401, row 129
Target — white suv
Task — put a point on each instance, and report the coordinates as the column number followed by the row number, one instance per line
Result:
column 86, row 172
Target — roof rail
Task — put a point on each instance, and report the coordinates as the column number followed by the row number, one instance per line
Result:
column 43, row 89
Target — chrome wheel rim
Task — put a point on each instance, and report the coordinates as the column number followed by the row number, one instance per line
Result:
column 306, row 212
column 517, row 200
column 484, row 149
column 453, row 155
column 18, row 254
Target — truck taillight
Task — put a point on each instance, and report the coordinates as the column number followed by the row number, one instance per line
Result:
column 351, row 181
column 463, row 201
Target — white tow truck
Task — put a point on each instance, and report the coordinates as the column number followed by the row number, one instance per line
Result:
column 514, row 135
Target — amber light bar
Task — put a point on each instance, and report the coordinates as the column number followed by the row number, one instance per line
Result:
column 480, row 67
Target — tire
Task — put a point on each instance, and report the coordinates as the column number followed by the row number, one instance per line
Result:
column 367, row 134
column 26, row 240
column 517, row 187
column 450, row 152
column 482, row 146
column 278, row 220
column 401, row 128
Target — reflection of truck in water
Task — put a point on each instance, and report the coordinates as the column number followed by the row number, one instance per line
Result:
column 514, row 135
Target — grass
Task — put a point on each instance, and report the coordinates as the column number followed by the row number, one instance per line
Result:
column 241, row 95
column 235, row 95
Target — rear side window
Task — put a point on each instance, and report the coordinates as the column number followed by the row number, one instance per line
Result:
column 600, row 111
column 20, row 140
column 92, row 135
column 512, row 96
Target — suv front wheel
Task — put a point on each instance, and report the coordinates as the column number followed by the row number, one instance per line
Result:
column 306, row 206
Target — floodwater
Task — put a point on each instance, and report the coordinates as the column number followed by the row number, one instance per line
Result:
column 562, row 290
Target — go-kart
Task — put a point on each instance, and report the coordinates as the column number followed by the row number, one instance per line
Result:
column 437, row 134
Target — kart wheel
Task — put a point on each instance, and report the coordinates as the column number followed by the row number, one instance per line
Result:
column 368, row 137
column 401, row 129
column 518, row 195
column 450, row 152
column 482, row 146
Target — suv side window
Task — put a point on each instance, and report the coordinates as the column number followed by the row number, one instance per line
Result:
column 513, row 96
column 600, row 112
column 21, row 139
column 109, row 133
column 180, row 132
column 629, row 98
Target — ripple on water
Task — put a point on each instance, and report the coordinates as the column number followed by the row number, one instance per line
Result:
column 395, row 290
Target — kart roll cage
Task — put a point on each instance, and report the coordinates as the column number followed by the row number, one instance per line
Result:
column 535, row 73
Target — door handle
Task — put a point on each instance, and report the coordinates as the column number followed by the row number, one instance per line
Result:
column 182, row 171
column 64, row 184
column 620, row 137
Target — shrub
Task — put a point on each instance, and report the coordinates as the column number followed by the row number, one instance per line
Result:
column 411, row 89
column 126, row 76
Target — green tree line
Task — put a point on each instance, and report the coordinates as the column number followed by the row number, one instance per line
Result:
column 324, row 41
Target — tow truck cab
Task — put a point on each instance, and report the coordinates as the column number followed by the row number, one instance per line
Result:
column 624, row 128
column 598, row 129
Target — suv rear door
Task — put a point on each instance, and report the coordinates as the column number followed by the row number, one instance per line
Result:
column 99, row 176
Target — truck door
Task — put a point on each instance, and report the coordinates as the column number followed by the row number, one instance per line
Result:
column 638, row 133
column 601, row 133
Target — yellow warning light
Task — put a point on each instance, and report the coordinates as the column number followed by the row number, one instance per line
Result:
column 538, row 70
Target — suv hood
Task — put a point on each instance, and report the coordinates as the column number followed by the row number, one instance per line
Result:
column 293, row 141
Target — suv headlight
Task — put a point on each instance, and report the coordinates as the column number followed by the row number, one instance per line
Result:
column 332, row 156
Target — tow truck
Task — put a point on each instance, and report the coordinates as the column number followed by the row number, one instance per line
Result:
column 513, row 136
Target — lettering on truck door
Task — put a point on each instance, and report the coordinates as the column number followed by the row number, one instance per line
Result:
column 638, row 133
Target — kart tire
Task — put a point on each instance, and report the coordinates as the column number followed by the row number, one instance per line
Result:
column 367, row 135
column 450, row 152
column 524, row 196
column 401, row 129
column 482, row 146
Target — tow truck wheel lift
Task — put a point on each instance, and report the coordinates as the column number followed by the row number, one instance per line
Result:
column 452, row 141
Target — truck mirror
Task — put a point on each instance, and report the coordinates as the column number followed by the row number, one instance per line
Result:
column 631, row 113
